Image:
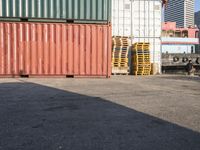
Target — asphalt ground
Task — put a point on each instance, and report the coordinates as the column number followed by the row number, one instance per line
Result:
column 121, row 113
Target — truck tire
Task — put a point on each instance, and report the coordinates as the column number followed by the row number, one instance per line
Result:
column 176, row 59
column 185, row 59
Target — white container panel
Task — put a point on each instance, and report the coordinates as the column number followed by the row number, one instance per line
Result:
column 142, row 17
column 121, row 17
column 123, row 30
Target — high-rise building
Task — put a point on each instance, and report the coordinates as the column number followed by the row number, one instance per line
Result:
column 197, row 22
column 197, row 19
column 181, row 12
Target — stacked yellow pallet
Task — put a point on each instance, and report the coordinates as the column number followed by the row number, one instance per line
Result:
column 120, row 50
column 141, row 59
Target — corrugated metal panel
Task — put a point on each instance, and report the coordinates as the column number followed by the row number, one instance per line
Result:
column 91, row 10
column 52, row 49
column 137, row 18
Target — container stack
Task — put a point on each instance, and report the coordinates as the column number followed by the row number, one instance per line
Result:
column 55, row 38
column 141, row 59
column 141, row 21
column 120, row 51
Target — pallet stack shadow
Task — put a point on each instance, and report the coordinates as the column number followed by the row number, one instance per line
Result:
column 141, row 64
column 120, row 51
column 55, row 38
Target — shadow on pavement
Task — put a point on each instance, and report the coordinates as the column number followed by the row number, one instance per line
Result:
column 35, row 117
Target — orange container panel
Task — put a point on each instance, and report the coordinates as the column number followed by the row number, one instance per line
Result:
column 55, row 49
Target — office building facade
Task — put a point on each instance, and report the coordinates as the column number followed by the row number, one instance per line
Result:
column 181, row 12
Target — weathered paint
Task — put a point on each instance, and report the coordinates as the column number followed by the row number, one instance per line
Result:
column 169, row 29
column 38, row 49
column 91, row 10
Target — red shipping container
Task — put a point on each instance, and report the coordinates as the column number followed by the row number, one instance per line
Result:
column 55, row 49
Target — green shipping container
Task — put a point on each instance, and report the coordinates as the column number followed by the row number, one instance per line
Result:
column 77, row 10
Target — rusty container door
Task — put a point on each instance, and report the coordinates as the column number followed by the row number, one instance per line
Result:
column 53, row 49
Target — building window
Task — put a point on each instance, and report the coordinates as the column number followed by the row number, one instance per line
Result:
column 192, row 49
column 197, row 34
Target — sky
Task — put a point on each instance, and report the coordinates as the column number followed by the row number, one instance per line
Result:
column 197, row 5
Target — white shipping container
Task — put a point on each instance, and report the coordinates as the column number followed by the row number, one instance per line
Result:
column 137, row 18
column 141, row 20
